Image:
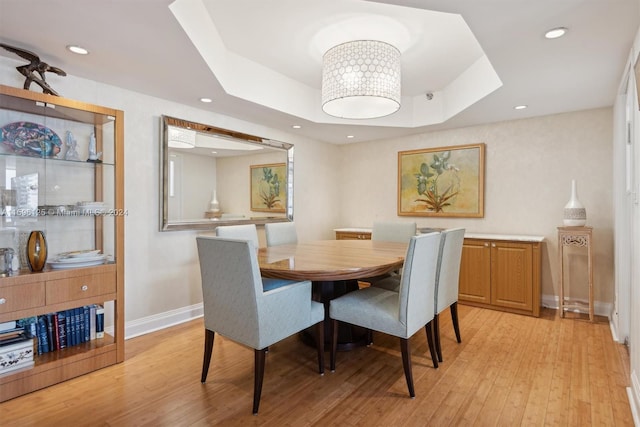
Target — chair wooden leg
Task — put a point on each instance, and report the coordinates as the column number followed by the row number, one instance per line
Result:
column 208, row 350
column 334, row 344
column 258, row 377
column 454, row 319
column 436, row 336
column 320, row 346
column 429, row 330
column 406, row 364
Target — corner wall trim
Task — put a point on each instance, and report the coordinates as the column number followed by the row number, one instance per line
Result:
column 633, row 393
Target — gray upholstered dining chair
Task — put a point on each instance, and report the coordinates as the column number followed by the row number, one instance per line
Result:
column 400, row 314
column 393, row 231
column 280, row 233
column 235, row 305
column 244, row 231
column 447, row 278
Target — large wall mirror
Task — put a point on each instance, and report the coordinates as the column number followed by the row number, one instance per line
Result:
column 213, row 176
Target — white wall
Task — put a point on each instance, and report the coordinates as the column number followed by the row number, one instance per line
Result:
column 627, row 227
column 529, row 167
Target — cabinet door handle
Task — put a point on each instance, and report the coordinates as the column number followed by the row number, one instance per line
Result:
column 486, row 245
column 84, row 288
column 493, row 245
column 3, row 300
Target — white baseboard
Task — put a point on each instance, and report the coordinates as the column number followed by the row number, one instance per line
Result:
column 634, row 398
column 599, row 308
column 159, row 321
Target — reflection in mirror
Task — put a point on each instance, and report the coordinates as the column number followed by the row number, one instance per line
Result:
column 213, row 176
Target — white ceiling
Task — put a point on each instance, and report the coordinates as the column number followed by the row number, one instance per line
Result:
column 139, row 45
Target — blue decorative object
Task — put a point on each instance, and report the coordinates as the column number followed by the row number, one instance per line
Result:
column 30, row 139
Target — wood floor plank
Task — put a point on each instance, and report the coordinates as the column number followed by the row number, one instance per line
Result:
column 508, row 370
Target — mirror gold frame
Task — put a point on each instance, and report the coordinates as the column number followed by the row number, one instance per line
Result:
column 208, row 222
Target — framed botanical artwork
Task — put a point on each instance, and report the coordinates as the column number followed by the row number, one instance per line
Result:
column 268, row 187
column 444, row 182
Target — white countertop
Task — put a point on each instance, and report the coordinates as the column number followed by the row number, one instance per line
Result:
column 516, row 237
column 468, row 235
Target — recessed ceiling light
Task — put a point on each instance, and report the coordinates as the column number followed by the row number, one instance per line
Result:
column 77, row 49
column 520, row 107
column 554, row 33
column 206, row 100
column 296, row 126
column 350, row 136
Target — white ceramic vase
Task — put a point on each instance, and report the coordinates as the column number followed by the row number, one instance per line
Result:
column 575, row 215
column 214, row 205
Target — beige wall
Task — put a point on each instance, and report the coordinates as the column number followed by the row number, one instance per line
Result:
column 529, row 167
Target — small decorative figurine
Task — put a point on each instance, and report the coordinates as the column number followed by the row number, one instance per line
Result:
column 94, row 156
column 34, row 66
column 72, row 151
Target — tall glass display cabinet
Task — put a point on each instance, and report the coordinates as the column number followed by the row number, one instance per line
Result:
column 63, row 176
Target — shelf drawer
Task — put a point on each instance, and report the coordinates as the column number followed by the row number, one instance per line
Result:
column 353, row 235
column 21, row 297
column 80, row 287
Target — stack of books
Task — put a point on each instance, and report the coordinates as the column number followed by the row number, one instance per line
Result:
column 16, row 347
column 68, row 328
column 21, row 339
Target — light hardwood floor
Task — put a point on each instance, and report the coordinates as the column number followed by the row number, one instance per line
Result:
column 509, row 370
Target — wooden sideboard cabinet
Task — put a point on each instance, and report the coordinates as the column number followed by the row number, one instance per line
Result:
column 501, row 272
column 79, row 205
column 353, row 233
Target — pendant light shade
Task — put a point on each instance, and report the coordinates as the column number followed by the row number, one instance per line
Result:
column 361, row 80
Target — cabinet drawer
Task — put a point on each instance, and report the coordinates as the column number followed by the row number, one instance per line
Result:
column 80, row 287
column 353, row 235
column 21, row 297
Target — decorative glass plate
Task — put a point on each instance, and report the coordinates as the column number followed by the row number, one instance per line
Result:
column 77, row 262
column 30, row 139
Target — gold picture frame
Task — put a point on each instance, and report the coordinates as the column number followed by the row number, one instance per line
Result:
column 268, row 187
column 442, row 182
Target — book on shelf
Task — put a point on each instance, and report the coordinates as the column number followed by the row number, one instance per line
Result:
column 99, row 321
column 86, row 324
column 92, row 321
column 28, row 324
column 50, row 331
column 5, row 326
column 77, row 314
column 71, row 328
column 43, row 335
column 10, row 341
column 61, row 318
column 10, row 333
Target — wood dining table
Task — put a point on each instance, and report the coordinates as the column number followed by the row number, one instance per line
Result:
column 334, row 267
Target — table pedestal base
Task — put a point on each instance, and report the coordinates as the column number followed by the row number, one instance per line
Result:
column 349, row 336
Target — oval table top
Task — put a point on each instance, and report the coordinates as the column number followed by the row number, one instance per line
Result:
column 331, row 260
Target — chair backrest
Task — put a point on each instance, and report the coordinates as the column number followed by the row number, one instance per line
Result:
column 231, row 287
column 243, row 232
column 280, row 233
column 448, row 273
column 393, row 231
column 418, row 283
